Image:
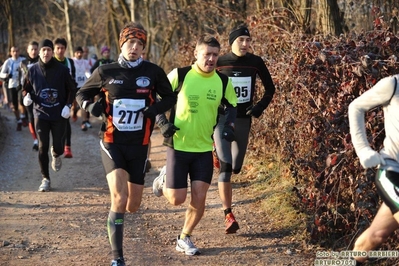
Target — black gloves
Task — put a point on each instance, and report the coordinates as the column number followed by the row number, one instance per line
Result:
column 228, row 133
column 255, row 110
column 149, row 111
column 95, row 109
column 168, row 129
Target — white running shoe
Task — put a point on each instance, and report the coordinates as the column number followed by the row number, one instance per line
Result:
column 157, row 185
column 56, row 162
column 45, row 186
column 185, row 245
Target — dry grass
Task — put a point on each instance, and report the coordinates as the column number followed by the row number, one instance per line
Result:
column 269, row 181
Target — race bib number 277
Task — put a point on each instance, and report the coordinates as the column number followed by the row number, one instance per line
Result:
column 126, row 116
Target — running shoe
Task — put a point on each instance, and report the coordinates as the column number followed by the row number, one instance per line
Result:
column 35, row 146
column 67, row 152
column 24, row 121
column 56, row 162
column 187, row 246
column 45, row 186
column 83, row 126
column 231, row 224
column 19, row 126
column 118, row 262
column 157, row 185
column 88, row 125
column 74, row 117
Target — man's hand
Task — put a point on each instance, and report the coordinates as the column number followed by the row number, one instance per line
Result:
column 168, row 129
column 255, row 110
column 149, row 111
column 370, row 158
column 95, row 109
column 66, row 112
column 27, row 100
column 228, row 133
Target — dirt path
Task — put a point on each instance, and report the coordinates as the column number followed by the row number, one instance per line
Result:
column 67, row 226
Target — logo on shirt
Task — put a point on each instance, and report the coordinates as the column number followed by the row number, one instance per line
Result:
column 143, row 81
column 115, row 81
column 236, row 74
column 211, row 95
column 49, row 96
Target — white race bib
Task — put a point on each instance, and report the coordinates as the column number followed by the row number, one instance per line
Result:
column 125, row 114
column 242, row 86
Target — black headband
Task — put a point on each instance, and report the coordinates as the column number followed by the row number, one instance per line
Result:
column 242, row 31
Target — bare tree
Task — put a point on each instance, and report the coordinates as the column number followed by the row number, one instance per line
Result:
column 65, row 10
column 330, row 17
column 7, row 11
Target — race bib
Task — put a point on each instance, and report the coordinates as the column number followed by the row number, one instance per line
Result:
column 125, row 114
column 242, row 86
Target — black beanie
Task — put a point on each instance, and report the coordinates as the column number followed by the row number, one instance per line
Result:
column 234, row 34
column 46, row 43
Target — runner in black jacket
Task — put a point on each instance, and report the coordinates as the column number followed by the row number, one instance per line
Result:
column 129, row 107
column 242, row 67
column 32, row 58
column 50, row 87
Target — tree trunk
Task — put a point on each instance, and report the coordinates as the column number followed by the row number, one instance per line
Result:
column 260, row 4
column 306, row 6
column 330, row 17
column 68, row 28
column 7, row 11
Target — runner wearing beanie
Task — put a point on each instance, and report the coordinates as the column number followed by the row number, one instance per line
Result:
column 242, row 67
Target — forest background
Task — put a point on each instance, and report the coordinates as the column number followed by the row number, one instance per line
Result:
column 321, row 54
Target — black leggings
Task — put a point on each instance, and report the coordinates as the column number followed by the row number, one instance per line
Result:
column 43, row 129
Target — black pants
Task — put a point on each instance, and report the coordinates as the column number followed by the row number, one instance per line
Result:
column 43, row 129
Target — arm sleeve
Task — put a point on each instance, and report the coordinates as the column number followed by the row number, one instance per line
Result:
column 267, row 82
column 90, row 89
column 164, row 90
column 380, row 94
column 4, row 70
column 71, row 89
column 96, row 64
column 230, row 103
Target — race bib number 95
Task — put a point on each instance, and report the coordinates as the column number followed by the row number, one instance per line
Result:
column 242, row 86
column 125, row 114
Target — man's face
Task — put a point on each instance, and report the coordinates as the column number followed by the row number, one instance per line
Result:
column 46, row 53
column 106, row 54
column 132, row 49
column 78, row 55
column 240, row 46
column 32, row 51
column 85, row 54
column 59, row 51
column 206, row 56
column 14, row 52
